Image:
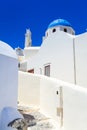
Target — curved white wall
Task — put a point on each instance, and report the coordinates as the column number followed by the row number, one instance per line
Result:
column 49, row 31
column 8, row 80
column 7, row 50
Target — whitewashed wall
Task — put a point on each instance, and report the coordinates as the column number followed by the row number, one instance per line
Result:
column 81, row 59
column 74, row 103
column 29, row 89
column 30, row 51
column 8, row 76
column 40, row 91
column 74, row 99
column 75, row 107
column 56, row 50
column 49, row 100
column 23, row 66
column 8, row 81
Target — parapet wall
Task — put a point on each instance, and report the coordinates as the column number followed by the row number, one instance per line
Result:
column 75, row 107
column 29, row 89
column 65, row 103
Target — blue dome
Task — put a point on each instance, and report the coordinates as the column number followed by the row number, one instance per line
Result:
column 59, row 22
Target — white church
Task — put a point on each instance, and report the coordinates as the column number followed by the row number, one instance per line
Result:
column 62, row 54
column 52, row 78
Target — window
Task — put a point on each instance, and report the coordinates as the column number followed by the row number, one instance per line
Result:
column 54, row 30
column 18, row 65
column 65, row 30
column 47, row 70
column 57, row 92
column 31, row 71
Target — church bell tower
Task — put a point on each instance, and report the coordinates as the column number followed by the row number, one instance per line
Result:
column 28, row 40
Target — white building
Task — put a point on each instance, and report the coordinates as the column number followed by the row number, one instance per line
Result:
column 62, row 57
column 62, row 54
column 8, row 72
column 27, row 52
column 8, row 87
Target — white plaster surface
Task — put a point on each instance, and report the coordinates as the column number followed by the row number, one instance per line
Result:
column 8, row 81
column 5, row 49
column 8, row 77
column 29, row 89
column 81, row 59
column 66, row 55
column 49, row 31
column 23, row 66
column 74, row 100
column 75, row 107
column 30, row 51
column 49, row 100
column 56, row 50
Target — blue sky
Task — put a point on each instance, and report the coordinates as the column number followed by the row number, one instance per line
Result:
column 17, row 15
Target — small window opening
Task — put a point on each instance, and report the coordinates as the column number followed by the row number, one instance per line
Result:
column 57, row 92
column 65, row 30
column 54, row 30
column 18, row 65
column 47, row 70
column 31, row 71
